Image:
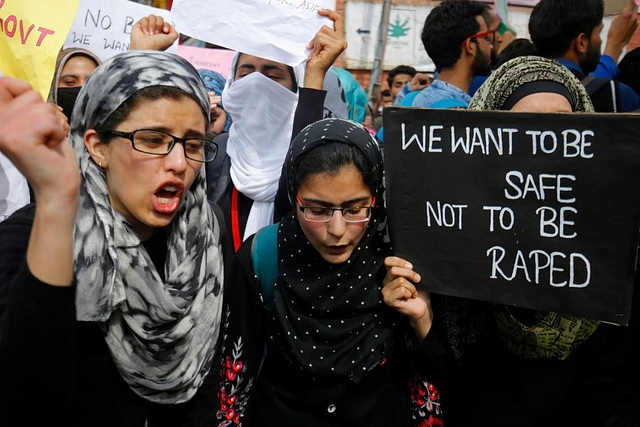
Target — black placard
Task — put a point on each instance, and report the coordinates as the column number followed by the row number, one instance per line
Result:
column 525, row 209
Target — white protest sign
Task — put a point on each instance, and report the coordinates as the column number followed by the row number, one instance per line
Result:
column 104, row 28
column 278, row 30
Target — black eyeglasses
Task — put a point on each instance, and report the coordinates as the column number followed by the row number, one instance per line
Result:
column 325, row 213
column 489, row 36
column 160, row 143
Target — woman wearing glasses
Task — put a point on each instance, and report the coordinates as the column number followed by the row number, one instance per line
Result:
column 110, row 311
column 333, row 340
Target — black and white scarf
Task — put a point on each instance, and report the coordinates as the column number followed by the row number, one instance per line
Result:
column 161, row 333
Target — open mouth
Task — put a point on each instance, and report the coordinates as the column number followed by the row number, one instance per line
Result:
column 167, row 198
column 167, row 193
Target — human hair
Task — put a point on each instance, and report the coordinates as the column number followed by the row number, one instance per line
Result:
column 446, row 28
column 554, row 24
column 384, row 93
column 487, row 14
column 331, row 157
column 518, row 47
column 400, row 69
column 150, row 93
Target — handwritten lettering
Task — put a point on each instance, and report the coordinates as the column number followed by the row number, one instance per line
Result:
column 83, row 39
column 128, row 24
column 98, row 20
column 116, row 45
column 569, row 143
column 308, row 5
column 469, row 140
column 541, row 265
column 506, row 217
column 482, row 140
column 445, row 214
column 552, row 221
column 548, row 218
column 574, row 142
column 12, row 25
column 538, row 186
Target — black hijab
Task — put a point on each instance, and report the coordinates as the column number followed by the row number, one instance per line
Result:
column 331, row 318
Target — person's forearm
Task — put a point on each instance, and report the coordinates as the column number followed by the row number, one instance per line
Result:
column 50, row 252
column 314, row 79
column 621, row 30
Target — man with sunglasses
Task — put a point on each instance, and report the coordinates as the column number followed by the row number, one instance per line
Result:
column 458, row 41
column 504, row 35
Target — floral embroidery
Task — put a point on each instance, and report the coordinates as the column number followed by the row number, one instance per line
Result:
column 233, row 395
column 425, row 402
column 431, row 422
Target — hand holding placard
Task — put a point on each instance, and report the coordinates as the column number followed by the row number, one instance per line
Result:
column 527, row 209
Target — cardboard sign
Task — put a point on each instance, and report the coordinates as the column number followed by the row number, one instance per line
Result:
column 533, row 210
column 218, row 60
column 614, row 7
column 104, row 28
column 31, row 37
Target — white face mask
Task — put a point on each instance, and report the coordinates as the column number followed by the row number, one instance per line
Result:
column 262, row 112
column 257, row 93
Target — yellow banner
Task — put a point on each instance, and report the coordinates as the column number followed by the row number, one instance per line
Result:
column 31, row 35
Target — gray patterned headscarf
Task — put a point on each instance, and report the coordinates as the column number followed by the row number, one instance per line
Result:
column 513, row 74
column 161, row 334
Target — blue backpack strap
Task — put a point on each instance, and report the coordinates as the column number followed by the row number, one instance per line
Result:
column 264, row 254
column 448, row 103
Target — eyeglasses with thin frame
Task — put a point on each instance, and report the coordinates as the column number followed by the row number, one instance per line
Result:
column 489, row 36
column 157, row 142
column 325, row 213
